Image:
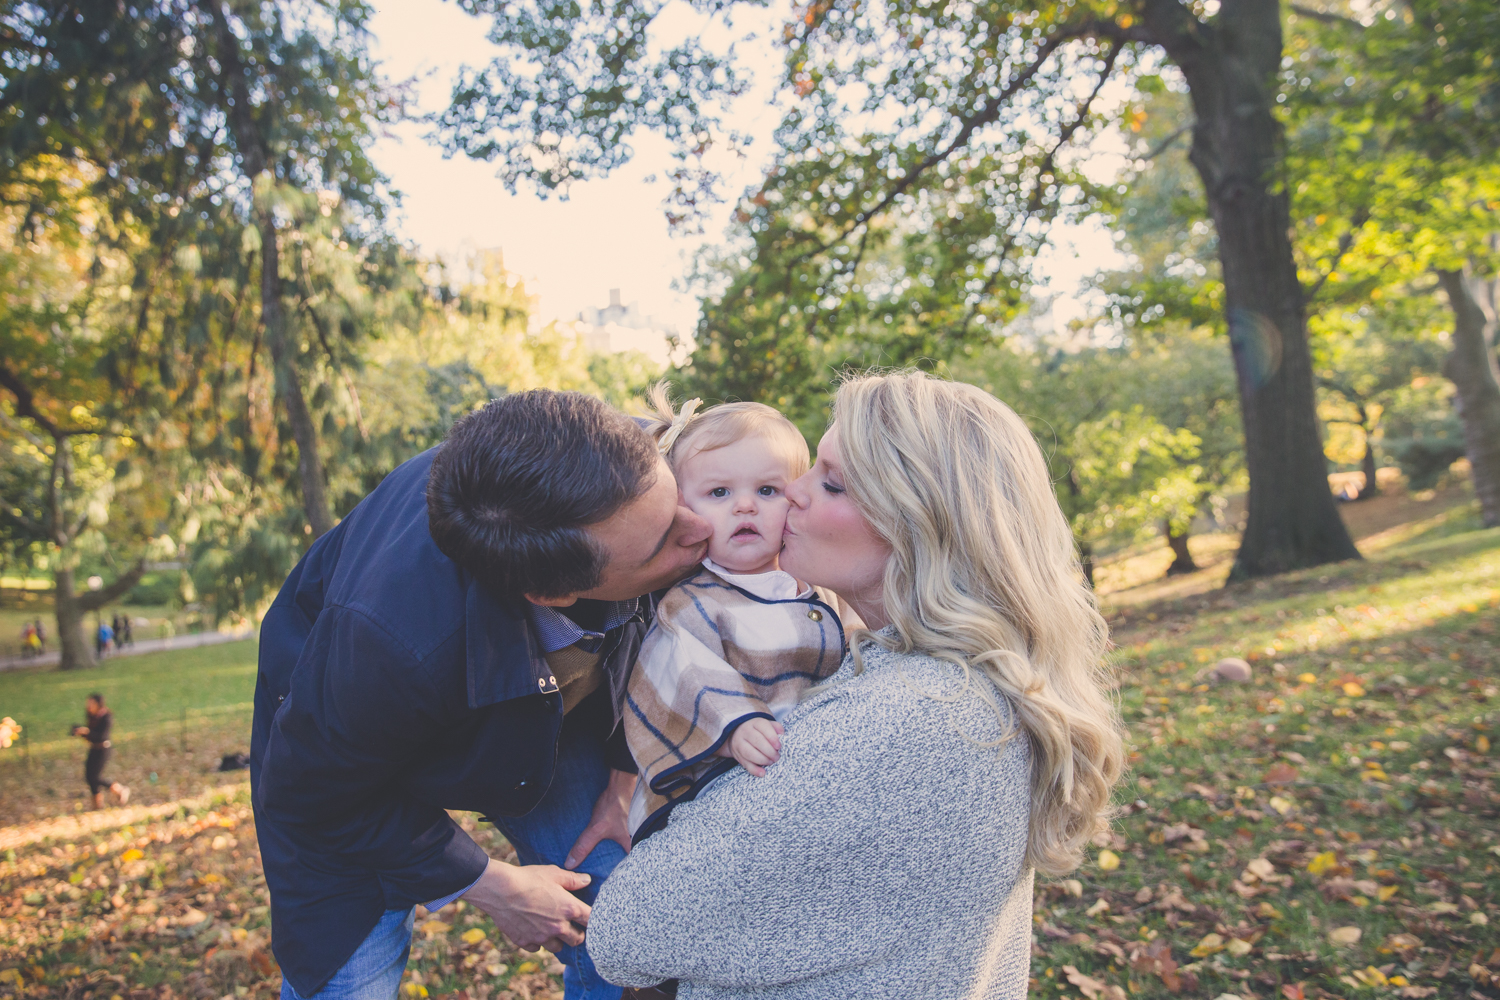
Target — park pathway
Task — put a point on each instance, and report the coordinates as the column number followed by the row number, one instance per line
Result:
column 191, row 641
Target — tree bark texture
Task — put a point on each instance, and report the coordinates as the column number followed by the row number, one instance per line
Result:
column 1230, row 65
column 1182, row 559
column 1471, row 367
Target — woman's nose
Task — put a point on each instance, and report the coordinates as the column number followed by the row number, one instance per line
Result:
column 797, row 490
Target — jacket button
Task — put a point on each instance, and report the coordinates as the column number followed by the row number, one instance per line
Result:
column 815, row 614
column 522, row 784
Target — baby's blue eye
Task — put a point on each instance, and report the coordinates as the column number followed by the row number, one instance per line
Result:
column 719, row 492
column 767, row 491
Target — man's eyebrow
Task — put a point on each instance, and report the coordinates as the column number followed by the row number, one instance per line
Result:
column 661, row 544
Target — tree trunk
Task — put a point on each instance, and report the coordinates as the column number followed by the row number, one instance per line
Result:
column 1231, row 64
column 1086, row 559
column 289, row 382
column 73, row 644
column 1471, row 368
column 1182, row 559
column 76, row 645
column 255, row 160
column 1371, row 489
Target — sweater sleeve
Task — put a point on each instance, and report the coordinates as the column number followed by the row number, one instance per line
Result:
column 770, row 880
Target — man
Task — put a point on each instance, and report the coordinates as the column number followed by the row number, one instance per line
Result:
column 96, row 733
column 456, row 642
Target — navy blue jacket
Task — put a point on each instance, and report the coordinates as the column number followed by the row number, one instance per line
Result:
column 393, row 687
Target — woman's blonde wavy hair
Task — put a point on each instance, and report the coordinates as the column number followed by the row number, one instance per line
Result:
column 984, row 573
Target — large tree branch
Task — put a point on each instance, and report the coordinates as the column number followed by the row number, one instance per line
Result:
column 987, row 114
column 1172, row 25
column 26, row 402
column 1327, row 17
column 92, row 600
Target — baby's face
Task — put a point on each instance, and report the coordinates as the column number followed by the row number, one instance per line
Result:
column 740, row 490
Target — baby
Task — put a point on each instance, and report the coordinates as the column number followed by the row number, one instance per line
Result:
column 734, row 645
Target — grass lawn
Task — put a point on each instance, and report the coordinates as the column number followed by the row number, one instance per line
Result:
column 1330, row 829
column 175, row 714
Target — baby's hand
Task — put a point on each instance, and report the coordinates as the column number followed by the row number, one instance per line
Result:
column 756, row 744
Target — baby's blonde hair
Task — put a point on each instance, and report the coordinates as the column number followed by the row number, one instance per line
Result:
column 723, row 425
column 984, row 573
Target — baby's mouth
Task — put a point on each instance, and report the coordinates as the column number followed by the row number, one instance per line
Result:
column 746, row 531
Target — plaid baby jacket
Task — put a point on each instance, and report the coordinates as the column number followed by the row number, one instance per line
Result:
column 716, row 656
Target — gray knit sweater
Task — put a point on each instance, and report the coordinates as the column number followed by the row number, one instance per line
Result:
column 882, row 857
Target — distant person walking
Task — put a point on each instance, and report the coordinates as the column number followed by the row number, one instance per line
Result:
column 104, row 641
column 96, row 731
column 31, row 645
column 41, row 636
column 124, row 633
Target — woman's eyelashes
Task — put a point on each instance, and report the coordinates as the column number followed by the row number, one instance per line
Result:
column 832, row 489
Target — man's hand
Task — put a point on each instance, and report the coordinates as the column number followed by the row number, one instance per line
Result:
column 533, row 905
column 609, row 821
column 756, row 744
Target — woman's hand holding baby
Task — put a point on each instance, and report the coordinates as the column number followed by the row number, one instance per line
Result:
column 756, row 744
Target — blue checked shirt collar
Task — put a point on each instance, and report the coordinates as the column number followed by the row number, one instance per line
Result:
column 555, row 630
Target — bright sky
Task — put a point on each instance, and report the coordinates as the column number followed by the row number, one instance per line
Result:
column 610, row 233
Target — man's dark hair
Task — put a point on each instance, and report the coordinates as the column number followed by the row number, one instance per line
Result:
column 96, row 698
column 515, row 484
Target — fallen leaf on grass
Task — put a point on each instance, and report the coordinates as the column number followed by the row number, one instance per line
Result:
column 1211, row 944
column 1101, row 906
column 1092, row 988
column 1281, row 773
column 432, row 928
column 473, row 936
column 1345, row 935
column 1108, row 860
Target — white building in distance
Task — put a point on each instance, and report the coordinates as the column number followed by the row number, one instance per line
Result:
column 618, row 327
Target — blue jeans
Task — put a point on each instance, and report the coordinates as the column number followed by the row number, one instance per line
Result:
column 373, row 972
column 541, row 837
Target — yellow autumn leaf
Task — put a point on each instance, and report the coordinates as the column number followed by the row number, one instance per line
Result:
column 526, row 967
column 134, row 854
column 1385, row 892
column 1108, row 860
column 1237, row 947
column 435, row 927
column 1482, row 744
column 1210, row 944
column 473, row 935
column 1281, row 805
column 1345, row 935
column 414, row 990
column 1353, row 690
column 1324, row 862
column 1308, row 678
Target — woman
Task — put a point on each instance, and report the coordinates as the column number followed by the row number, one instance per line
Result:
column 96, row 732
column 966, row 741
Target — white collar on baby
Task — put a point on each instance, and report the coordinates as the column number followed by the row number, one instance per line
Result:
column 777, row 585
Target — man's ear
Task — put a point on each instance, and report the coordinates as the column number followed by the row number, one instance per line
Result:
column 553, row 602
